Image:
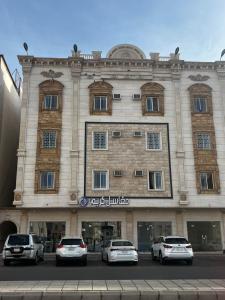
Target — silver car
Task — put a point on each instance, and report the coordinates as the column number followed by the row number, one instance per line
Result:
column 119, row 251
column 71, row 249
column 22, row 247
column 172, row 248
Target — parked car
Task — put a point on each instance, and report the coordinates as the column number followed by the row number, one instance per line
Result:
column 71, row 249
column 172, row 248
column 119, row 251
column 22, row 247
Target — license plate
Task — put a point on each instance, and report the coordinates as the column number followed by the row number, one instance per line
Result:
column 179, row 250
column 70, row 249
column 16, row 249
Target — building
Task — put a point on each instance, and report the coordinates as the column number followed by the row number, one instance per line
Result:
column 9, row 137
column 123, row 146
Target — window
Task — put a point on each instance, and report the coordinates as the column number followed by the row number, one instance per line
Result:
column 155, row 181
column 200, row 105
column 206, row 181
column 152, row 104
column 51, row 102
column 47, row 180
column 153, row 141
column 100, row 141
column 49, row 139
column 100, row 180
column 203, row 141
column 100, row 103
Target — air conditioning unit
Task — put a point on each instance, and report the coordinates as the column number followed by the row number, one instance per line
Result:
column 138, row 173
column 116, row 134
column 136, row 97
column 138, row 133
column 116, row 97
column 118, row 173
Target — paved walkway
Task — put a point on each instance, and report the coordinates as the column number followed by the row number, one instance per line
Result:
column 114, row 289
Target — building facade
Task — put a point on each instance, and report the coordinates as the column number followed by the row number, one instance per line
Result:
column 122, row 147
column 10, row 103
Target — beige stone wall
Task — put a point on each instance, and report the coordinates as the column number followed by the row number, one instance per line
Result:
column 128, row 153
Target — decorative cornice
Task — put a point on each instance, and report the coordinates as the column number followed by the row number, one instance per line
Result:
column 198, row 77
column 51, row 74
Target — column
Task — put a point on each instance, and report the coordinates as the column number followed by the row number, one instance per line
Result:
column 179, row 223
column 73, row 223
column 24, row 223
column 21, row 152
column 129, row 225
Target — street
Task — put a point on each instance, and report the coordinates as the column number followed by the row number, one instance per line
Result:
column 204, row 267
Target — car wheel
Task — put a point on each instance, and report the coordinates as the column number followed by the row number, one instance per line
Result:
column 102, row 257
column 189, row 262
column 35, row 260
column 107, row 260
column 58, row 262
column 153, row 256
column 6, row 262
column 84, row 261
column 135, row 263
column 161, row 259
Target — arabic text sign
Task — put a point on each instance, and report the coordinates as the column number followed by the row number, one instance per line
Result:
column 103, row 201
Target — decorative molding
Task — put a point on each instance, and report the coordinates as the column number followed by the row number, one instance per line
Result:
column 51, row 74
column 198, row 77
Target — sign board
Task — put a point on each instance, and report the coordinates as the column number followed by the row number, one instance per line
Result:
column 103, row 201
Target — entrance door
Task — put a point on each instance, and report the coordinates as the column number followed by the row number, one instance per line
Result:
column 148, row 231
column 6, row 228
column 204, row 236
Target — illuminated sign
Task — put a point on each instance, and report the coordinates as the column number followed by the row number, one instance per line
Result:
column 103, row 201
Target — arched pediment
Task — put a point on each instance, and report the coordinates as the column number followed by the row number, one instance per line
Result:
column 125, row 51
column 101, row 85
column 200, row 88
column 152, row 86
column 52, row 85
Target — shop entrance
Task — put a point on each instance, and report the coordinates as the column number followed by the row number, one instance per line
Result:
column 6, row 228
column 96, row 234
column 50, row 232
column 204, row 236
column 148, row 231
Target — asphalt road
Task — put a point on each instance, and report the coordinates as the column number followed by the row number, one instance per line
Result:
column 204, row 267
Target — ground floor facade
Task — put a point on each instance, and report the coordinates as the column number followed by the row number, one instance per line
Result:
column 205, row 228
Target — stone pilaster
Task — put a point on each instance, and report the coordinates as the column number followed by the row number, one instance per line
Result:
column 73, row 223
column 74, row 153
column 129, row 225
column 179, row 223
column 21, row 153
column 24, row 223
column 180, row 154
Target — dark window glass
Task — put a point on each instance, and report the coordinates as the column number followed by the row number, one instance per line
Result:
column 19, row 240
column 122, row 243
column 176, row 241
column 71, row 242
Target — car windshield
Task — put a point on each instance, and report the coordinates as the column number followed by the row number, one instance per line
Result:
column 122, row 243
column 71, row 242
column 18, row 240
column 176, row 241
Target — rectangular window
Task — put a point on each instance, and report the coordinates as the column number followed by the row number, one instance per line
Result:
column 51, row 102
column 153, row 141
column 200, row 105
column 100, row 141
column 49, row 139
column 155, row 181
column 206, row 180
column 203, row 141
column 100, row 180
column 100, row 103
column 47, row 180
column 152, row 104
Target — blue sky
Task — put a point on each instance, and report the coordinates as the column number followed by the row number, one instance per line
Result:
column 51, row 27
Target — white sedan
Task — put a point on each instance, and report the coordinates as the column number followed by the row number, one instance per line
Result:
column 172, row 248
column 119, row 251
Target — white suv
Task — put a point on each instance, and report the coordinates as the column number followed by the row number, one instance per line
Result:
column 172, row 248
column 71, row 249
column 22, row 247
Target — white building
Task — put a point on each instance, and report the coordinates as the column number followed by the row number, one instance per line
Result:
column 9, row 137
column 123, row 146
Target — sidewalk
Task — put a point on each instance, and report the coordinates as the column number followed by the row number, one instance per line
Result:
column 113, row 289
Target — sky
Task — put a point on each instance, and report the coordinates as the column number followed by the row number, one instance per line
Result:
column 51, row 27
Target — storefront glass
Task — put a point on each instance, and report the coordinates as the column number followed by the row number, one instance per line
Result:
column 96, row 234
column 148, row 231
column 204, row 236
column 50, row 232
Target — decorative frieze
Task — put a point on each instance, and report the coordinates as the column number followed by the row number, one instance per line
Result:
column 198, row 77
column 51, row 74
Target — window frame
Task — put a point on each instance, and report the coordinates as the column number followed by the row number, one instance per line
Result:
column 42, row 138
column 40, row 180
column 107, row 180
column 146, row 140
column 206, row 104
column 57, row 102
column 100, row 149
column 213, row 182
column 197, row 141
column 162, row 181
column 158, row 104
column 94, row 106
